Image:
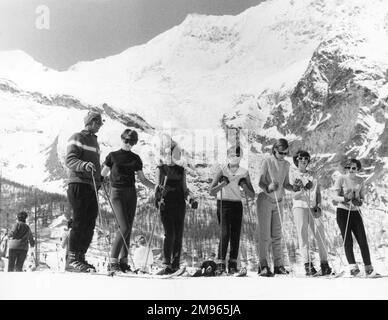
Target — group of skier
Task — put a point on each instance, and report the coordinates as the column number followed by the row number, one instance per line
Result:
column 274, row 178
column 230, row 185
column 171, row 192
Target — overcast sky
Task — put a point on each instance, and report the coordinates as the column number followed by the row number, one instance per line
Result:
column 90, row 29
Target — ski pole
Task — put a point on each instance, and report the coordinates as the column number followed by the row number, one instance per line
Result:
column 280, row 218
column 315, row 226
column 56, row 249
column 346, row 230
column 154, row 224
column 223, row 261
column 249, row 224
column 118, row 224
column 99, row 212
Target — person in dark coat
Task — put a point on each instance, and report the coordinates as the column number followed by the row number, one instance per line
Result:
column 19, row 238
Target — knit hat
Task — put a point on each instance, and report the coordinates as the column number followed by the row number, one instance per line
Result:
column 92, row 115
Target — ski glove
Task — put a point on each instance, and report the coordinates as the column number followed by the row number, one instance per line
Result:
column 242, row 181
column 273, row 186
column 193, row 203
column 89, row 167
column 317, row 212
column 308, row 185
column 346, row 199
column 223, row 178
column 297, row 186
column 357, row 202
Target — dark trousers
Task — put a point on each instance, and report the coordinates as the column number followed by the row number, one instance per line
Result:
column 124, row 204
column 173, row 218
column 355, row 226
column 82, row 198
column 16, row 258
column 230, row 221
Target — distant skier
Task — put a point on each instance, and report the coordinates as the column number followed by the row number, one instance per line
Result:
column 173, row 207
column 273, row 180
column 143, row 256
column 306, row 210
column 350, row 193
column 19, row 238
column 65, row 237
column 124, row 166
column 226, row 186
column 83, row 162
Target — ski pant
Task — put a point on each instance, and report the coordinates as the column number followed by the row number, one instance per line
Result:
column 303, row 220
column 173, row 217
column 230, row 221
column 124, row 204
column 270, row 228
column 355, row 226
column 82, row 198
column 16, row 258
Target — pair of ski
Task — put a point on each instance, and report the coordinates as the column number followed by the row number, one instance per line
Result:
column 318, row 275
column 177, row 273
column 341, row 274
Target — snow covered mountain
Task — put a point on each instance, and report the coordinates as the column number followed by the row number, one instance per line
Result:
column 312, row 71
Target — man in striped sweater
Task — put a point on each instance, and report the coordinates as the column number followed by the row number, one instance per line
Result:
column 83, row 163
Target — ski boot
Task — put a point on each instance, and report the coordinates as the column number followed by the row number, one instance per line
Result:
column 370, row 272
column 325, row 269
column 114, row 267
column 75, row 264
column 221, row 269
column 264, row 271
column 354, row 270
column 166, row 270
column 125, row 267
column 175, row 266
column 242, row 272
column 281, row 270
column 82, row 259
column 310, row 270
column 232, row 267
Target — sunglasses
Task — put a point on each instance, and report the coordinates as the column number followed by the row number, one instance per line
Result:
column 127, row 141
column 351, row 168
column 303, row 159
column 283, row 153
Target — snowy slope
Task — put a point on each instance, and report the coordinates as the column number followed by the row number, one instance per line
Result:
column 198, row 67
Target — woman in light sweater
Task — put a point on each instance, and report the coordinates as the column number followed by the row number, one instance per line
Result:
column 306, row 208
column 273, row 180
column 226, row 186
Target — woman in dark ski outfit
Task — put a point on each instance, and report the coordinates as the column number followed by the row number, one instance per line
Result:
column 173, row 209
column 122, row 165
column 350, row 194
